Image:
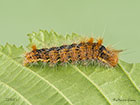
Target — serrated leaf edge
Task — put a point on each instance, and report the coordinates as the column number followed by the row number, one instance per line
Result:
column 41, row 79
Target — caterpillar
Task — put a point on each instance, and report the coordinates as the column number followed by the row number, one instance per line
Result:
column 88, row 50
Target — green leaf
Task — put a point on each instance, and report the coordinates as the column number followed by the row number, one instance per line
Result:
column 64, row 84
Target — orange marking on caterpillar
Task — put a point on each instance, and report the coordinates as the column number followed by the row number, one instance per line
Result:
column 34, row 47
column 90, row 40
column 75, row 52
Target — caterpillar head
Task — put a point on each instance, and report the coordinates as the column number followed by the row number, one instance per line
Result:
column 109, row 56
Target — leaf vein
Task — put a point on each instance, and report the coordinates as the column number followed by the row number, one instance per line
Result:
column 16, row 92
column 93, row 83
column 41, row 78
column 128, row 76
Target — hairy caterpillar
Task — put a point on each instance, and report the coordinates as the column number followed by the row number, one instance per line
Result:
column 75, row 52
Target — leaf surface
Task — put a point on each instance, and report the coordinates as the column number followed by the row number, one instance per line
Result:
column 64, row 84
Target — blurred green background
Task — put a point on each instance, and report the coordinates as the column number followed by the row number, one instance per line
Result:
column 118, row 21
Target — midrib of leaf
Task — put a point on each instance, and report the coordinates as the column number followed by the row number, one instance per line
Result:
column 97, row 87
column 40, row 78
column 92, row 82
column 22, row 97
column 129, row 77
